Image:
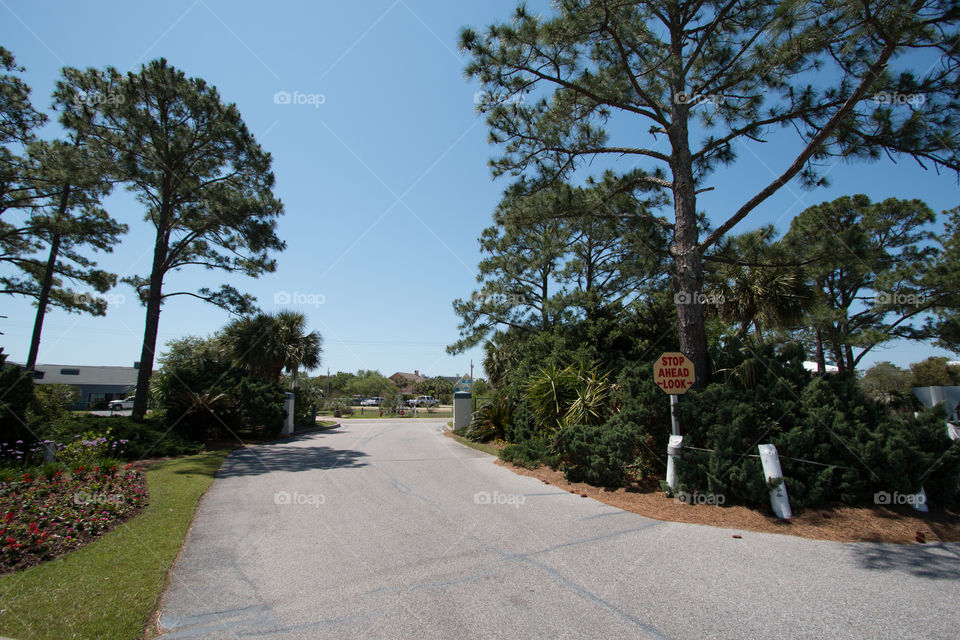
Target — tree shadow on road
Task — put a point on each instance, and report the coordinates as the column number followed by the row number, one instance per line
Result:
column 923, row 561
column 259, row 460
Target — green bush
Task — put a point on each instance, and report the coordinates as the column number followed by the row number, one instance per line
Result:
column 861, row 447
column 530, row 453
column 490, row 421
column 339, row 406
column 16, row 396
column 48, row 402
column 521, row 426
column 148, row 439
column 260, row 404
column 598, row 454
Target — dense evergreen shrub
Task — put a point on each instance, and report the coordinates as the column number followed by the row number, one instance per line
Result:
column 597, row 454
column 16, row 396
column 531, row 453
column 860, row 446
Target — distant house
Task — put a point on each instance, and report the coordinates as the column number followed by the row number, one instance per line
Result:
column 405, row 381
column 812, row 367
column 96, row 384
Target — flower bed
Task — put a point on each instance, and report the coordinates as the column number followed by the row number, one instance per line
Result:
column 47, row 517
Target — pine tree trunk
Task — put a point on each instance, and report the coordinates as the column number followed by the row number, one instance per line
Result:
column 821, row 360
column 691, row 322
column 152, row 324
column 42, row 301
column 47, row 282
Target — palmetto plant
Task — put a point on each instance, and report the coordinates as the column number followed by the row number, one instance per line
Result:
column 574, row 394
column 491, row 420
column 593, row 395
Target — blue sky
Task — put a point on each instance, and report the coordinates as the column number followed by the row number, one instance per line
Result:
column 380, row 159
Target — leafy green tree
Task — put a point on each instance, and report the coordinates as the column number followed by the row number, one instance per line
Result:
column 370, row 384
column 885, row 382
column 438, row 387
column 868, row 272
column 934, row 372
column 615, row 79
column 205, row 181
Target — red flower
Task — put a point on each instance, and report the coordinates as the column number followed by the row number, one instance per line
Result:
column 8, row 517
column 26, row 477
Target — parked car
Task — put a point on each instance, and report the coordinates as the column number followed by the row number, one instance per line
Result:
column 372, row 402
column 425, row 401
column 120, row 405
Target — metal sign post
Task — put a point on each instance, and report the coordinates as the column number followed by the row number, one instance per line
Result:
column 673, row 372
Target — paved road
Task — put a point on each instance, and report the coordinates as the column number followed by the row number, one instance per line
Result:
column 389, row 530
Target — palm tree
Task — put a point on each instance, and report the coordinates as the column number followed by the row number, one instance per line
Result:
column 757, row 291
column 267, row 344
column 300, row 349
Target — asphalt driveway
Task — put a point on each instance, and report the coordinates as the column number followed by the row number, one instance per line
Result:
column 390, row 530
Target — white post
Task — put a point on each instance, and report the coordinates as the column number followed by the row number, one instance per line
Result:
column 288, row 422
column 674, row 446
column 779, row 500
column 673, row 415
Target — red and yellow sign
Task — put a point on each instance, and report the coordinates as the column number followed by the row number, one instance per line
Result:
column 673, row 372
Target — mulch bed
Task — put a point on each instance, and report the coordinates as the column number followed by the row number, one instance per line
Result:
column 44, row 518
column 900, row 525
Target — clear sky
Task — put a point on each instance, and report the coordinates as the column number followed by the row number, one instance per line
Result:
column 380, row 159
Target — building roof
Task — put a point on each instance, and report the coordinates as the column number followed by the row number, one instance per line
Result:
column 87, row 375
column 410, row 377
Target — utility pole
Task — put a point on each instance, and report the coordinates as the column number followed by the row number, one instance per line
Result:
column 471, row 368
column 326, row 396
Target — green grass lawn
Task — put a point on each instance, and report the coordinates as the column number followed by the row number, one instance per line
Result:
column 110, row 588
column 479, row 446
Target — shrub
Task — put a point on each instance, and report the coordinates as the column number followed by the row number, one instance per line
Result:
column 85, row 450
column 520, row 427
column 16, row 395
column 490, row 421
column 150, row 438
column 530, row 453
column 339, row 406
column 260, row 404
column 859, row 445
column 48, row 402
column 598, row 454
